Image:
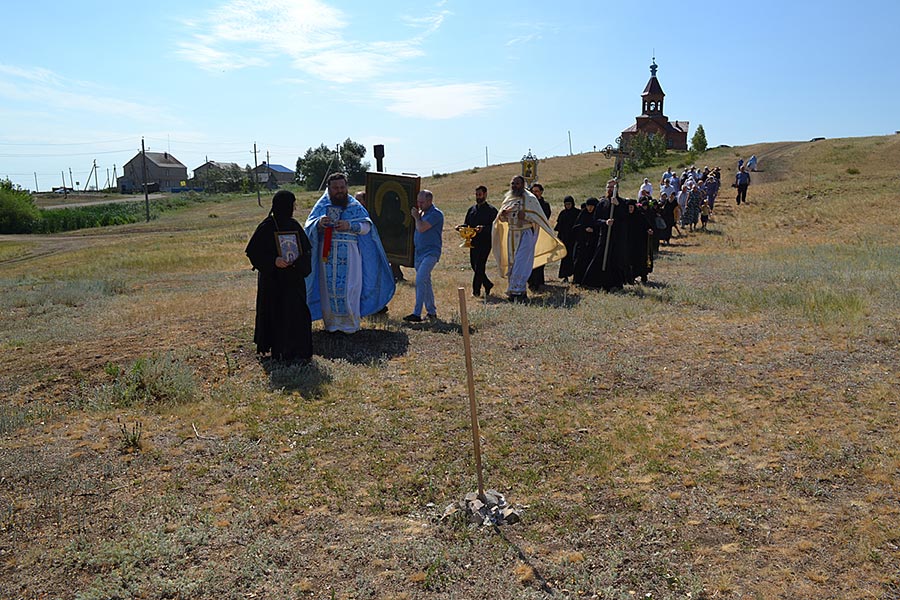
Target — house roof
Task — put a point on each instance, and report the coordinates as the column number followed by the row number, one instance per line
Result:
column 219, row 165
column 680, row 126
column 277, row 168
column 163, row 159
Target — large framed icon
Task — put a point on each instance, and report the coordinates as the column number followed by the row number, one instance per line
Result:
column 390, row 199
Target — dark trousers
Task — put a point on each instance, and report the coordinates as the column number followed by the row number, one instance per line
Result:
column 742, row 193
column 478, row 258
column 536, row 279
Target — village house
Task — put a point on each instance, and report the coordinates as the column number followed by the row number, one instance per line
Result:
column 201, row 172
column 164, row 173
column 273, row 176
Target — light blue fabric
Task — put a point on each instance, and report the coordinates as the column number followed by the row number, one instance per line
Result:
column 424, row 290
column 378, row 281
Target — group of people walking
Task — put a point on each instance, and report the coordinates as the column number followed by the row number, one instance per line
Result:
column 334, row 267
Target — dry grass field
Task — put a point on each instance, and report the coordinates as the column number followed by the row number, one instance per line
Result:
column 729, row 430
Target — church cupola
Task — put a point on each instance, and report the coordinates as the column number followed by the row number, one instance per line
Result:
column 653, row 95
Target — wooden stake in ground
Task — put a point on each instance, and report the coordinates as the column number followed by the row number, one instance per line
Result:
column 473, row 409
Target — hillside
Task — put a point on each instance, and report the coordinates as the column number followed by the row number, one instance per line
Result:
column 728, row 431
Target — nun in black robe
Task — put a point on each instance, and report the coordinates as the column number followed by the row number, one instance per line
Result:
column 565, row 222
column 283, row 323
column 640, row 235
column 613, row 276
column 668, row 214
column 585, row 232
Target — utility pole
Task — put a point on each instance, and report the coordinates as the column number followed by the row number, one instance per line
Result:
column 96, row 171
column 256, row 175
column 486, row 162
column 144, row 169
column 570, row 142
column 65, row 189
column 36, row 190
column 93, row 172
column 71, row 180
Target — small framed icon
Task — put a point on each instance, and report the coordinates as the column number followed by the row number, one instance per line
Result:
column 288, row 244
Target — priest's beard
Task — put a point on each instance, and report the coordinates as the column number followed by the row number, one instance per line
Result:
column 340, row 199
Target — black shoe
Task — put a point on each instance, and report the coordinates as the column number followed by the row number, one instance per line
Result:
column 476, row 293
column 413, row 318
column 487, row 289
column 431, row 317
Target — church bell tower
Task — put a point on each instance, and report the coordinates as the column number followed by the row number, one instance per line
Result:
column 653, row 95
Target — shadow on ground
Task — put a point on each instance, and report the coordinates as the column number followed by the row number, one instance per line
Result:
column 309, row 379
column 363, row 347
column 558, row 295
column 438, row 326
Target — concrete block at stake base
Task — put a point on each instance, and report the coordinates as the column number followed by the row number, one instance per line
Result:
column 492, row 509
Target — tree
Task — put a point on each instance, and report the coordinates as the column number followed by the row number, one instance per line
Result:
column 698, row 142
column 646, row 149
column 313, row 166
column 352, row 154
column 318, row 163
column 18, row 214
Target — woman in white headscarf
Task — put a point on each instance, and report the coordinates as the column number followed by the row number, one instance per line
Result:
column 645, row 187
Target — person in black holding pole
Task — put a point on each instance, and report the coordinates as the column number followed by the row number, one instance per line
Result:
column 280, row 252
column 607, row 269
column 481, row 214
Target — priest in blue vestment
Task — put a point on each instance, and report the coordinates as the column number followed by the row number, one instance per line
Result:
column 351, row 277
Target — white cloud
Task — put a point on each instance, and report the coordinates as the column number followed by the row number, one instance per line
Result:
column 440, row 101
column 39, row 88
column 524, row 39
column 310, row 33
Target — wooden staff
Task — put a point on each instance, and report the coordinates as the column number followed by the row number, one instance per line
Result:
column 473, row 409
column 609, row 227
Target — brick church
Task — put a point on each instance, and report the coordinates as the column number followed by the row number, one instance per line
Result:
column 652, row 121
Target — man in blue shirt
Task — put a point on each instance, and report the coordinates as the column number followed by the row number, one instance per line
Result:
column 428, row 242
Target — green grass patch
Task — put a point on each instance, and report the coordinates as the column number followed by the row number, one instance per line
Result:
column 11, row 250
column 158, row 380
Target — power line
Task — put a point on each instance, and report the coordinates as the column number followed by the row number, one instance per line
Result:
column 2, row 143
column 4, row 155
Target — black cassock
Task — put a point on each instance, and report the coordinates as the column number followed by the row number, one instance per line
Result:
column 564, row 224
column 613, row 277
column 640, row 260
column 283, row 323
column 585, row 243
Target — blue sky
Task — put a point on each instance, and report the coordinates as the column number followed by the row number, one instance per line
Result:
column 436, row 81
